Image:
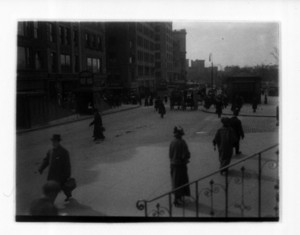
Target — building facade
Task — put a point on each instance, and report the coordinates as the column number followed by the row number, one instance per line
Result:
column 130, row 53
column 179, row 55
column 51, row 60
column 163, row 53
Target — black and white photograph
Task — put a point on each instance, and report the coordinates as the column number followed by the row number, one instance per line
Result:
column 144, row 119
column 150, row 119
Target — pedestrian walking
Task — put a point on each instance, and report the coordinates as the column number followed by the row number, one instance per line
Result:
column 98, row 126
column 161, row 109
column 254, row 105
column 151, row 100
column 219, row 107
column 179, row 155
column 266, row 98
column 146, row 101
column 237, row 127
column 224, row 140
column 166, row 99
column 44, row 206
column 59, row 164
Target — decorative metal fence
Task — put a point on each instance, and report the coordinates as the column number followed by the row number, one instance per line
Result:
column 248, row 189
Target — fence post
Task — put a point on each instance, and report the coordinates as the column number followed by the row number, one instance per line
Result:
column 226, row 194
column 170, row 204
column 197, row 200
column 259, row 185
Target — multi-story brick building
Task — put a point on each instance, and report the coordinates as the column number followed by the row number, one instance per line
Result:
column 130, row 54
column 163, row 53
column 179, row 55
column 60, row 69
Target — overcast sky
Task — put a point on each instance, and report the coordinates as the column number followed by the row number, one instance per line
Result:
column 243, row 44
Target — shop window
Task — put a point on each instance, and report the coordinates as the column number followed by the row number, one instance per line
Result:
column 23, row 57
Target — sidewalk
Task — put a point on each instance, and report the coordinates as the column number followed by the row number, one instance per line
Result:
column 263, row 110
column 76, row 118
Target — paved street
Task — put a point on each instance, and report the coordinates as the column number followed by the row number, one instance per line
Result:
column 132, row 163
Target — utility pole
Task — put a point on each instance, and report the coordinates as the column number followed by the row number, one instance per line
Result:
column 212, row 71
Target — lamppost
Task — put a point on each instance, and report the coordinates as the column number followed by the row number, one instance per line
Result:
column 212, row 71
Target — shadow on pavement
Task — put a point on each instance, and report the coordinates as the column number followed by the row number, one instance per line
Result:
column 74, row 208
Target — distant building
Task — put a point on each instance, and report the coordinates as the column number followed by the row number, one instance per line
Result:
column 197, row 72
column 51, row 56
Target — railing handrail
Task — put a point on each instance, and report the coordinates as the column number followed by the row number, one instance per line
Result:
column 210, row 174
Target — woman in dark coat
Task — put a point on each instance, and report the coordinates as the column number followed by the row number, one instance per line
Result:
column 179, row 157
column 225, row 140
column 98, row 126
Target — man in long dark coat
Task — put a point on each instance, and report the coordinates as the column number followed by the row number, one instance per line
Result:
column 59, row 164
column 224, row 139
column 179, row 157
column 98, row 126
column 236, row 125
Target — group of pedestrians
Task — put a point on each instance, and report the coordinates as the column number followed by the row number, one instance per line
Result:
column 226, row 139
column 58, row 162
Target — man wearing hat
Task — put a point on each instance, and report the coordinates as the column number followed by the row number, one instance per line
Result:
column 179, row 155
column 224, row 139
column 58, row 161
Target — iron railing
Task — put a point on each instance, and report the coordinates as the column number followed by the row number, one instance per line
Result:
column 248, row 191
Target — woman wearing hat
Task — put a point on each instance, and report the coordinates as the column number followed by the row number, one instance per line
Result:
column 225, row 140
column 179, row 156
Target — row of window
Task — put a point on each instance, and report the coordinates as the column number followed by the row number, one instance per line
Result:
column 29, row 59
column 33, row 29
column 146, row 71
column 93, row 41
column 94, row 65
column 32, row 59
column 145, row 30
column 145, row 56
column 145, row 43
column 29, row 29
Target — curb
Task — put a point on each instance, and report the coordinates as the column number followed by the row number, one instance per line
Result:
column 72, row 121
column 242, row 115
